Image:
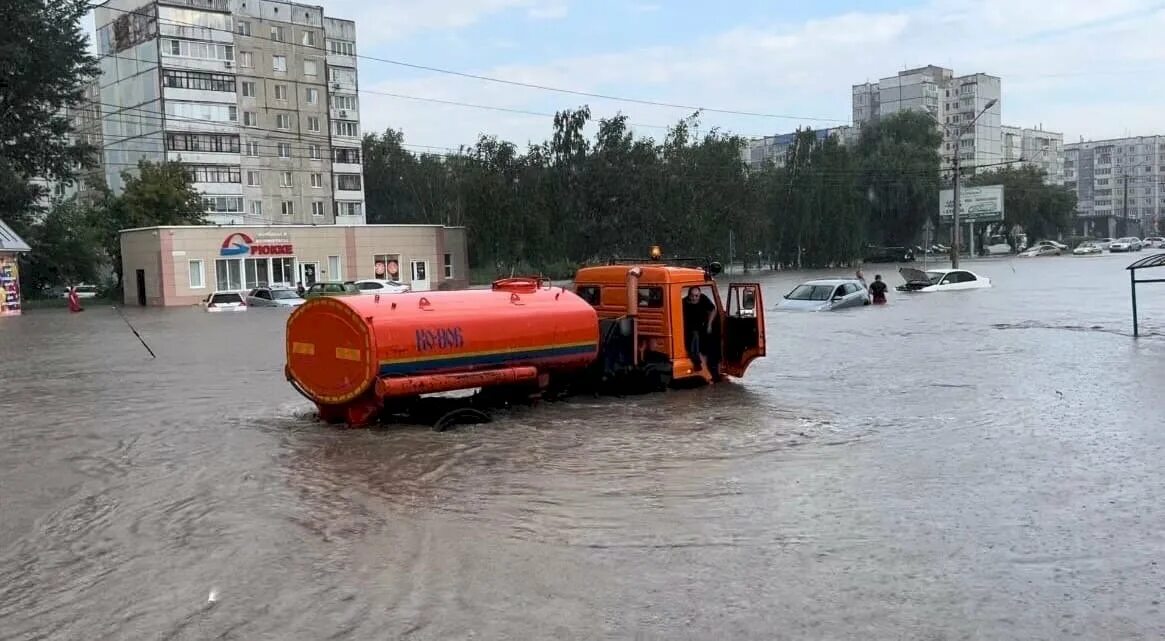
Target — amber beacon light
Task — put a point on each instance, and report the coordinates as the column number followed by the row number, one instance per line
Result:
column 656, row 252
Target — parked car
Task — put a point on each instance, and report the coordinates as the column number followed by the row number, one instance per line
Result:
column 1155, row 242
column 1087, row 249
column 997, row 249
column 941, row 280
column 875, row 254
column 1051, row 243
column 1041, row 250
column 1126, row 244
column 225, row 302
column 825, row 295
column 1104, row 243
column 331, row 289
column 377, row 286
column 83, row 291
column 274, row 297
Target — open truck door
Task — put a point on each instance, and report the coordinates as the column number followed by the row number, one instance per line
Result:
column 744, row 328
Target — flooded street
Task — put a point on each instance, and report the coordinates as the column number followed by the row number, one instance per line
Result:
column 964, row 465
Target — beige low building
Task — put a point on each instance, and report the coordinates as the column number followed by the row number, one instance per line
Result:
column 181, row 265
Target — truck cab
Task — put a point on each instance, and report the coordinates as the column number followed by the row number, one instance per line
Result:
column 641, row 307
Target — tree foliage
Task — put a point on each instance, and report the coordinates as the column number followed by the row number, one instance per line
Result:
column 44, row 64
column 1042, row 210
column 66, row 248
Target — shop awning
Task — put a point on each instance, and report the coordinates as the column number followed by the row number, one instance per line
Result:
column 10, row 242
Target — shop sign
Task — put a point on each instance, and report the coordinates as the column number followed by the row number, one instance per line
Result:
column 240, row 244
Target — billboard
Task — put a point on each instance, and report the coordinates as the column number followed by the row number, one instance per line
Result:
column 979, row 204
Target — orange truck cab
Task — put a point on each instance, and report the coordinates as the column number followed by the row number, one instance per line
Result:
column 641, row 309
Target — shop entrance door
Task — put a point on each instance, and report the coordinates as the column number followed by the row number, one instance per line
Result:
column 309, row 273
column 141, row 277
column 420, row 276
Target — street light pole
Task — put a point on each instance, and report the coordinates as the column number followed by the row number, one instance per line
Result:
column 956, row 232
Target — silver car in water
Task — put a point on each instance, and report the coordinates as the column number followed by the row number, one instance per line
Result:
column 825, row 295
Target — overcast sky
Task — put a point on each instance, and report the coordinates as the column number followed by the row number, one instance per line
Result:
column 1086, row 68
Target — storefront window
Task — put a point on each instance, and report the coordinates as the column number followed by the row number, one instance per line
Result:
column 283, row 271
column 257, row 272
column 268, row 272
column 387, row 266
column 228, row 275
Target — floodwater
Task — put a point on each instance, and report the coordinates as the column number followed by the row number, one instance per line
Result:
column 975, row 465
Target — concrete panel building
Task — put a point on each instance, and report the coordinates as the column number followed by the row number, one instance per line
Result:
column 774, row 149
column 950, row 100
column 1120, row 185
column 181, row 265
column 1035, row 148
column 243, row 92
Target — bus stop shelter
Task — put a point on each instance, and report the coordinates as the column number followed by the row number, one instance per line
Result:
column 1148, row 262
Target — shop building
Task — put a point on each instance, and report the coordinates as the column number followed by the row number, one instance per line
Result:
column 11, row 246
column 181, row 265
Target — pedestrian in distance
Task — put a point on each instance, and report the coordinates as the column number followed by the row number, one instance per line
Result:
column 878, row 289
column 862, row 279
column 299, row 288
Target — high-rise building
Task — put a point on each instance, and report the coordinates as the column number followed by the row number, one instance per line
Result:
column 84, row 128
column 1035, row 148
column 1120, row 185
column 774, row 148
column 258, row 98
column 951, row 100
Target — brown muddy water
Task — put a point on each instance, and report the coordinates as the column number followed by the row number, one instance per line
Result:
column 974, row 465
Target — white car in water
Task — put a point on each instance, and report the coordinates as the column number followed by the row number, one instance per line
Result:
column 378, row 286
column 1051, row 243
column 225, row 302
column 1127, row 244
column 941, row 280
column 1041, row 250
column 825, row 295
column 1154, row 242
column 1087, row 249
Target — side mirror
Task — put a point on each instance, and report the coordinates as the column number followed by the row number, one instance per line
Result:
column 714, row 268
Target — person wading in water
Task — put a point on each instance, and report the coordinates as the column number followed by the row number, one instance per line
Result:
column 878, row 289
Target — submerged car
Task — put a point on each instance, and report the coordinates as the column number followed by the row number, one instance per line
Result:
column 1103, row 243
column 83, row 291
column 331, row 289
column 1041, row 250
column 378, row 286
column 941, row 280
column 1126, row 244
column 825, row 295
column 274, row 297
column 225, row 302
column 1051, row 243
column 1153, row 242
column 1087, row 249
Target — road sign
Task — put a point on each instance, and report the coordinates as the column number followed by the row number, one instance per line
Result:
column 979, row 204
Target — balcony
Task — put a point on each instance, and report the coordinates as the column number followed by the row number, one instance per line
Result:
column 213, row 5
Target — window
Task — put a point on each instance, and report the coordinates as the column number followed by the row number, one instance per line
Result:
column 317, row 208
column 334, row 269
column 347, row 128
column 317, row 180
column 285, row 179
column 199, row 50
column 347, row 103
column 243, row 28
column 310, row 68
column 651, row 297
column 313, row 151
column 311, row 96
column 309, row 38
column 448, row 264
column 347, row 155
column 281, row 92
column 313, row 123
column 203, row 111
column 196, row 275
column 284, row 150
column 198, row 80
column 279, row 64
column 249, row 89
column 342, row 75
column 419, row 269
column 342, row 47
column 250, row 119
column 590, row 293
column 246, row 59
column 349, row 208
column 213, row 174
column 228, row 274
column 277, row 34
column 253, row 179
column 221, row 143
column 348, row 182
column 223, row 204
column 257, row 208
column 252, row 148
column 282, row 121
column 287, row 208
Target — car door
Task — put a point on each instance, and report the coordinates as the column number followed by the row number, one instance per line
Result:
column 743, row 320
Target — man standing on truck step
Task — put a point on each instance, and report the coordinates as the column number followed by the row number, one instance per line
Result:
column 699, row 313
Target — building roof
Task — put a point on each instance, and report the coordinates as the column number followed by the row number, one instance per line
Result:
column 10, row 242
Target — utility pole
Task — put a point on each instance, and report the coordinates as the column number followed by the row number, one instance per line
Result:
column 1126, row 225
column 958, row 179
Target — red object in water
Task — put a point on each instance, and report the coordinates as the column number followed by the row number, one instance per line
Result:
column 74, row 301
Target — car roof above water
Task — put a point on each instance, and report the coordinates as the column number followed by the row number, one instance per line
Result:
column 832, row 281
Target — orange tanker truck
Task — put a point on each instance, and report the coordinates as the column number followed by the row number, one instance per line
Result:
column 359, row 358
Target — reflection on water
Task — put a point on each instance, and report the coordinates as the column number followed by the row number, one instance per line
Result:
column 966, row 465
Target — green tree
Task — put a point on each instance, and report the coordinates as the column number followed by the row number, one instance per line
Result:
column 66, row 246
column 44, row 65
column 1042, row 210
column 899, row 164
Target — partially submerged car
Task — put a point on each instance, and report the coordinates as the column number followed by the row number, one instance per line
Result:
column 825, row 295
column 941, row 280
column 225, row 302
column 274, row 297
column 1126, row 244
column 1153, row 242
column 380, row 286
column 1088, row 249
column 331, row 289
column 1041, row 250
column 1051, row 243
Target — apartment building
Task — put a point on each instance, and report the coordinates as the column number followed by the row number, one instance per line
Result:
column 84, row 128
column 774, row 149
column 953, row 101
column 258, row 98
column 1035, row 148
column 1119, row 183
